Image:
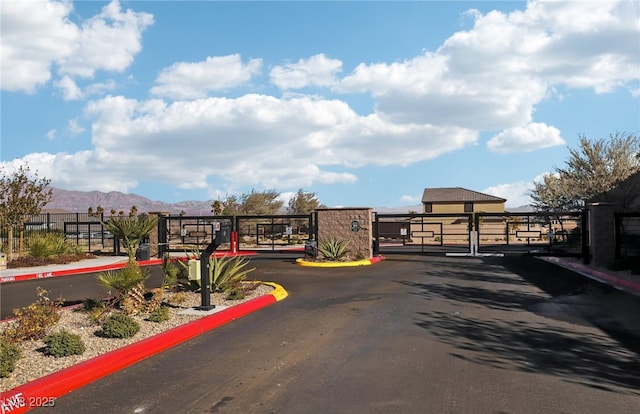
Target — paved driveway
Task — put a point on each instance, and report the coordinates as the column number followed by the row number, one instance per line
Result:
column 412, row 334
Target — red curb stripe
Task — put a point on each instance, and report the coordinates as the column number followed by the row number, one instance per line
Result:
column 114, row 266
column 597, row 275
column 69, row 379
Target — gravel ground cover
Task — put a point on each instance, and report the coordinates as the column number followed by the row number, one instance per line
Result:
column 34, row 364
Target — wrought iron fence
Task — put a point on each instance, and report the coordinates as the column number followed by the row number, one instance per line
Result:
column 627, row 235
column 83, row 230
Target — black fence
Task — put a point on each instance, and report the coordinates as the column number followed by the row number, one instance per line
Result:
column 539, row 233
column 627, row 235
column 83, row 230
column 422, row 233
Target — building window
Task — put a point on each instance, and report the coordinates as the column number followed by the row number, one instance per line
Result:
column 468, row 207
column 428, row 208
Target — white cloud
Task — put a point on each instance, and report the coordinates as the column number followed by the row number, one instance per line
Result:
column 410, row 199
column 516, row 194
column 493, row 75
column 69, row 88
column 196, row 80
column 51, row 134
column 38, row 38
column 530, row 137
column 75, row 128
column 318, row 70
column 108, row 41
column 277, row 143
column 34, row 36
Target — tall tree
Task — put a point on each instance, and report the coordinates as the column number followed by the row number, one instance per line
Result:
column 550, row 195
column 22, row 194
column 593, row 169
column 261, row 202
column 303, row 202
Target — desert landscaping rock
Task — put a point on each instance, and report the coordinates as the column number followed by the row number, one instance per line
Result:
column 34, row 364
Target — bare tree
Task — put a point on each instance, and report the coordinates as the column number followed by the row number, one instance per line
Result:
column 22, row 194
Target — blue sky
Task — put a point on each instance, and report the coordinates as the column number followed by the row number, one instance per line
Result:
column 363, row 103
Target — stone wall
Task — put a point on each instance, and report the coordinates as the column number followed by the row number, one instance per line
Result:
column 351, row 224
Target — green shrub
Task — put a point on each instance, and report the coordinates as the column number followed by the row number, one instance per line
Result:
column 160, row 314
column 32, row 322
column 9, row 356
column 333, row 248
column 43, row 245
column 226, row 272
column 63, row 343
column 119, row 325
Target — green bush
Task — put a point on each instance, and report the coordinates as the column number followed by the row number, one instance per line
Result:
column 32, row 322
column 44, row 245
column 120, row 325
column 160, row 314
column 9, row 356
column 63, row 343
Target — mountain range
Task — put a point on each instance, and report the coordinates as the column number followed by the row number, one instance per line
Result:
column 81, row 201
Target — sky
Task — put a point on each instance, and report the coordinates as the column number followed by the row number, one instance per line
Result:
column 364, row 103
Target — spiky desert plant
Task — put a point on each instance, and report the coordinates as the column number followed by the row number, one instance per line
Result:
column 227, row 272
column 131, row 230
column 333, row 248
column 125, row 282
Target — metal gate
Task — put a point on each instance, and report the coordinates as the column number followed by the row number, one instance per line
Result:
column 190, row 234
column 539, row 233
column 422, row 233
column 271, row 233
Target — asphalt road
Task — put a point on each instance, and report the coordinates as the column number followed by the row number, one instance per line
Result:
column 412, row 334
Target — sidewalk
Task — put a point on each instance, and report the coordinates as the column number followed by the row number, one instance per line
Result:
column 84, row 266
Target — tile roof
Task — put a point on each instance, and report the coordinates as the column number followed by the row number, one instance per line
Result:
column 456, row 194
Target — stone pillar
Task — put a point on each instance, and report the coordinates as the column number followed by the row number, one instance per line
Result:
column 602, row 237
column 351, row 224
column 154, row 247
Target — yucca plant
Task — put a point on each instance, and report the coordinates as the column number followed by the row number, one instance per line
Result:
column 131, row 230
column 333, row 248
column 126, row 286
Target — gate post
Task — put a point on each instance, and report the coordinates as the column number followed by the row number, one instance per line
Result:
column 602, row 233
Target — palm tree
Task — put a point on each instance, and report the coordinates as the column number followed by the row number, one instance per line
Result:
column 131, row 230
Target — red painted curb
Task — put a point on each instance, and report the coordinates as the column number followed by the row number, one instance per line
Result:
column 376, row 259
column 114, row 266
column 597, row 275
column 17, row 400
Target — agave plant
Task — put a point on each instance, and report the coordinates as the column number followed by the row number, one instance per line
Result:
column 227, row 272
column 333, row 248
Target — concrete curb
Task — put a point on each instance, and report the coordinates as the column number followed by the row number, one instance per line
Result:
column 39, row 392
column 357, row 263
column 612, row 280
column 101, row 268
